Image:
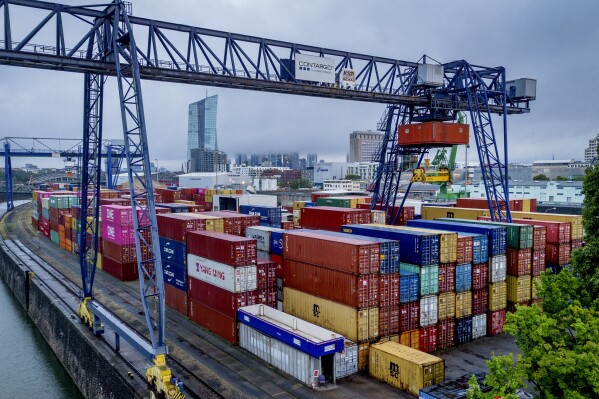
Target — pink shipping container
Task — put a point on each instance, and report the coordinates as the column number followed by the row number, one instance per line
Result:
column 223, row 248
column 519, row 262
column 388, row 320
column 428, row 339
column 538, row 262
column 121, row 235
column 176, row 225
column 495, row 322
column 409, row 316
column 213, row 320
column 480, row 275
column 331, row 218
column 446, row 277
column 446, row 334
column 355, row 290
column 224, row 301
column 389, row 290
column 117, row 215
column 557, row 254
column 340, row 253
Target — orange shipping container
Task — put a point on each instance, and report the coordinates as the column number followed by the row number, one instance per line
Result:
column 433, row 133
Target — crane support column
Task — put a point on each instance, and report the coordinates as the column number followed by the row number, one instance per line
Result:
column 8, row 178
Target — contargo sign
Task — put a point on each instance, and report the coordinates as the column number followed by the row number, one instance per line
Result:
column 314, row 69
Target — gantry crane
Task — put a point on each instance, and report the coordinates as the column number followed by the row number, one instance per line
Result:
column 108, row 47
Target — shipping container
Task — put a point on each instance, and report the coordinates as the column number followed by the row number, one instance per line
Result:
column 497, row 296
column 233, row 279
column 518, row 236
column 409, row 316
column 363, row 355
column 226, row 302
column 346, row 361
column 446, row 277
column 268, row 214
column 223, row 248
column 479, row 326
column 338, row 202
column 432, row 134
column 268, row 239
column 389, row 289
column 344, row 254
column 519, row 262
column 388, row 320
column 429, row 310
column 435, row 212
column 448, row 242
column 463, row 304
column 538, row 262
column 266, row 274
column 495, row 322
column 355, row 324
column 480, row 276
column 497, row 268
column 429, row 277
column 518, row 288
column 213, row 320
column 480, row 248
column 410, row 339
column 464, row 248
column 496, row 236
column 331, row 218
column 463, row 330
column 576, row 229
column 480, row 301
column 122, row 271
column 397, row 216
column 405, row 368
column 173, row 251
column 176, row 225
column 446, row 306
column 174, row 275
column 483, row 203
column 558, row 254
column 446, row 334
column 428, row 339
column 463, row 277
column 417, row 247
column 409, row 287
column 175, row 299
column 355, row 290
column 555, row 232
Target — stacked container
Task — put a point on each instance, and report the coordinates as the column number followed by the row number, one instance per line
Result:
column 235, row 223
column 269, row 215
column 331, row 218
column 118, row 242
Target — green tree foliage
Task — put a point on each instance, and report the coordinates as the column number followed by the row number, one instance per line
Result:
column 590, row 210
column 561, row 178
column 296, row 184
column 353, row 177
column 504, row 378
column 540, row 177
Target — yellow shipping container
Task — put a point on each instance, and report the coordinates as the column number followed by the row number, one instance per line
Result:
column 74, row 223
column 298, row 205
column 435, row 212
column 518, row 288
column 208, row 198
column 446, row 306
column 296, row 221
column 497, row 296
column 576, row 230
column 358, row 325
column 35, row 196
column 448, row 249
column 410, row 338
column 68, row 221
column 213, row 223
column 405, row 368
column 185, row 202
column 363, row 350
column 536, row 281
column 463, row 304
column 99, row 262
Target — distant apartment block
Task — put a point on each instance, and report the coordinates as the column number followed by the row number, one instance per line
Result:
column 590, row 152
column 363, row 146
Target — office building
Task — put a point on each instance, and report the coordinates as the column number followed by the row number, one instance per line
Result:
column 363, row 146
column 590, row 153
column 201, row 127
column 311, row 159
column 203, row 160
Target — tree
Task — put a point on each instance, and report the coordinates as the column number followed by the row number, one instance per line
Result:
column 301, row 183
column 561, row 178
column 540, row 177
column 353, row 177
column 504, row 379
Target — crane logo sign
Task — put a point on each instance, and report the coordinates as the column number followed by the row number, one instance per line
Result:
column 314, row 69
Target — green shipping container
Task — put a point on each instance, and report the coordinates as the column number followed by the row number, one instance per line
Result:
column 519, row 236
column 55, row 237
column 336, row 202
column 63, row 201
column 429, row 277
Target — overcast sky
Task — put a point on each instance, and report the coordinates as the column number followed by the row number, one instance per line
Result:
column 555, row 42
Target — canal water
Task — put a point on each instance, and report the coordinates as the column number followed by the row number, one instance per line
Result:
column 29, row 367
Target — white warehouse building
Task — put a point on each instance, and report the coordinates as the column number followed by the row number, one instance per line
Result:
column 569, row 192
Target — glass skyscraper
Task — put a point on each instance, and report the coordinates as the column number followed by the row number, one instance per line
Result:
column 201, row 127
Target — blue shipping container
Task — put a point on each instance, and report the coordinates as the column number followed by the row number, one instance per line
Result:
column 268, row 214
column 463, row 277
column 275, row 238
column 417, row 247
column 175, row 275
column 173, row 251
column 480, row 247
column 389, row 249
column 496, row 235
column 463, row 330
column 409, row 287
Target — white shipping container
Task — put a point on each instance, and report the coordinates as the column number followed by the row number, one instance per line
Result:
column 428, row 310
column 521, row 89
column 497, row 269
column 232, row 279
column 280, row 306
column 379, row 217
column 430, row 75
column 296, row 363
column 479, row 326
column 46, row 203
column 346, row 362
column 262, row 238
column 263, row 255
column 258, row 200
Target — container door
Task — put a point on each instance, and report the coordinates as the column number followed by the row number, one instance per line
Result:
column 327, row 364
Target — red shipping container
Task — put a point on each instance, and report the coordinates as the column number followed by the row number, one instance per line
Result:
column 428, row 339
column 538, row 262
column 355, row 290
column 287, row 225
column 446, row 334
column 557, row 254
column 331, row 218
column 389, row 290
column 464, row 253
column 480, row 301
column 176, row 225
column 175, row 298
column 480, row 275
column 519, row 262
column 188, row 190
column 446, row 277
column 432, row 133
column 114, row 201
column 224, row 301
column 279, row 261
column 168, row 196
column 539, row 237
column 556, row 232
column 407, row 213
column 122, row 271
column 346, row 254
column 409, row 316
column 266, row 273
column 214, row 321
column 482, row 203
column 34, row 223
column 577, row 244
column 388, row 320
column 495, row 322
column 224, row 248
